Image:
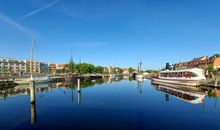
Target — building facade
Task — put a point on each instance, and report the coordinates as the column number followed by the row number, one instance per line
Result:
column 201, row 62
column 62, row 68
column 10, row 67
column 108, row 69
column 125, row 71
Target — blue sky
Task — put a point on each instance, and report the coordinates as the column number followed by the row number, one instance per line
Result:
column 110, row 32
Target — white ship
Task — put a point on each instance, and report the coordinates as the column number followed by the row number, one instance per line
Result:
column 190, row 77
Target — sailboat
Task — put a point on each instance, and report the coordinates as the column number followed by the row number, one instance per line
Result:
column 139, row 75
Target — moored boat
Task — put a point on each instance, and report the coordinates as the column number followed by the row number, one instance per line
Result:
column 190, row 77
column 112, row 76
column 95, row 77
column 139, row 76
column 42, row 79
column 73, row 77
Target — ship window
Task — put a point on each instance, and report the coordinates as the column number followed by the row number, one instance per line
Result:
column 194, row 75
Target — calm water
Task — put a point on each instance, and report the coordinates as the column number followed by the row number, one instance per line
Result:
column 121, row 105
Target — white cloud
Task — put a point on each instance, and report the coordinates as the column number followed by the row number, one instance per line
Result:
column 38, row 10
column 11, row 22
column 88, row 45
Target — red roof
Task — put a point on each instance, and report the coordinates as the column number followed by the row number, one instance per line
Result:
column 124, row 69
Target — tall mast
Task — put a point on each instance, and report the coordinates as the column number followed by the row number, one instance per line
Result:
column 32, row 59
column 140, row 65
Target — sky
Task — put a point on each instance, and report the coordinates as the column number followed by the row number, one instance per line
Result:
column 110, row 32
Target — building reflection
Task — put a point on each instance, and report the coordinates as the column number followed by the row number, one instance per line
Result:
column 19, row 90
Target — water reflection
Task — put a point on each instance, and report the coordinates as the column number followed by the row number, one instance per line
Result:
column 139, row 86
column 186, row 93
column 110, row 80
column 111, row 102
column 19, row 90
column 166, row 97
column 79, row 97
column 33, row 114
column 84, row 83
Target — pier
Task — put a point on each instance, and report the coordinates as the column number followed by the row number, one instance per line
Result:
column 58, row 79
column 7, row 82
column 214, row 82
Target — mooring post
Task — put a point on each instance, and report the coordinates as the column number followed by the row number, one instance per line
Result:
column 216, row 81
column 78, row 84
column 79, row 97
column 32, row 91
column 32, row 82
column 33, row 114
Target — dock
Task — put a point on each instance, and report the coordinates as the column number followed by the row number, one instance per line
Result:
column 58, row 79
column 215, row 82
column 8, row 82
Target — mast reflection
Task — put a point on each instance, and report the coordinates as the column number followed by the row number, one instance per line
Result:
column 79, row 97
column 139, row 85
column 167, row 97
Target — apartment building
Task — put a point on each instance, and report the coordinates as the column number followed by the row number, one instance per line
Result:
column 200, row 62
column 13, row 67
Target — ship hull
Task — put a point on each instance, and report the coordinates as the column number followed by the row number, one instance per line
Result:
column 178, row 82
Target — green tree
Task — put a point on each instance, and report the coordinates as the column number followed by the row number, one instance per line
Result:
column 77, row 66
column 131, row 70
column 86, row 68
column 118, row 70
column 210, row 68
column 99, row 69
column 152, row 71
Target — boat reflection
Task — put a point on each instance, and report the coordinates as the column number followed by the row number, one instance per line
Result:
column 110, row 80
column 139, row 86
column 188, row 94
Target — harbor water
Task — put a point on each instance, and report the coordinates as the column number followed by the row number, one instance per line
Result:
column 110, row 105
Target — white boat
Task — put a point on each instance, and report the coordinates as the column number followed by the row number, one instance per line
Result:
column 191, row 77
column 185, row 93
column 139, row 76
column 42, row 79
column 112, row 76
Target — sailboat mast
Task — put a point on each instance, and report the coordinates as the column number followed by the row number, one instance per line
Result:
column 140, row 65
column 32, row 59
